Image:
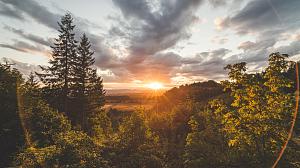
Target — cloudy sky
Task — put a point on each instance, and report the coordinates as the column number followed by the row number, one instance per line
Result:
column 141, row 41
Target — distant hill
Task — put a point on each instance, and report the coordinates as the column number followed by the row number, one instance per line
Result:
column 128, row 92
column 127, row 99
column 198, row 92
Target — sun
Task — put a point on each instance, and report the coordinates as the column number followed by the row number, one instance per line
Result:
column 155, row 85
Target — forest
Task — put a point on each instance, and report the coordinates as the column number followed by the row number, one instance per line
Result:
column 57, row 118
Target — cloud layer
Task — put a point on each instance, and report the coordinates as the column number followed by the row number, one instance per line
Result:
column 143, row 35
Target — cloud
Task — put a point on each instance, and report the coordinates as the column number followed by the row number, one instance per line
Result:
column 217, row 3
column 26, row 47
column 31, row 37
column 257, row 52
column 261, row 15
column 206, row 65
column 213, row 57
column 291, row 49
column 222, row 3
column 44, row 16
column 142, row 40
column 150, row 29
column 260, row 44
column 159, row 67
column 270, row 22
column 39, row 13
column 149, row 33
column 9, row 11
column 155, row 31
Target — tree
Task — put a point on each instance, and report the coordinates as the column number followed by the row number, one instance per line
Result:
column 55, row 144
column 70, row 149
column 58, row 77
column 248, row 128
column 206, row 145
column 100, row 126
column 46, row 123
column 135, row 145
column 11, row 133
column 88, row 88
column 256, row 122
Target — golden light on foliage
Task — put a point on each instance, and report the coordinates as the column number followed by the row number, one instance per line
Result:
column 155, row 85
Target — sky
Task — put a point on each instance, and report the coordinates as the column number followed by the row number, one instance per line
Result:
column 137, row 42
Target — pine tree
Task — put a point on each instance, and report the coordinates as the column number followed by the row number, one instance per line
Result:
column 58, row 76
column 88, row 88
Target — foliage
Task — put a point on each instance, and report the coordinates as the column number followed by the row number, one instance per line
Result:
column 46, row 123
column 254, row 123
column 11, row 133
column 100, row 126
column 196, row 92
column 135, row 145
column 71, row 149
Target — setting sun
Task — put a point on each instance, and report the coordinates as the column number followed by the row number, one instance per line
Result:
column 155, row 85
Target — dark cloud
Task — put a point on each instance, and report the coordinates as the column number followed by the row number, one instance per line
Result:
column 26, row 47
column 269, row 21
column 31, row 37
column 262, row 15
column 214, row 56
column 169, row 59
column 261, row 44
column 257, row 52
column 164, row 66
column 9, row 11
column 146, row 31
column 149, row 33
column 247, row 45
column 221, row 3
column 150, row 29
column 116, row 31
column 218, row 3
column 39, row 13
column 206, row 65
column 12, row 47
column 291, row 49
column 43, row 15
column 155, row 31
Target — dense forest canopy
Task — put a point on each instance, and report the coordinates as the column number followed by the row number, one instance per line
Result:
column 56, row 118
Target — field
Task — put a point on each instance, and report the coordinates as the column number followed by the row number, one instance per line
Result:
column 130, row 100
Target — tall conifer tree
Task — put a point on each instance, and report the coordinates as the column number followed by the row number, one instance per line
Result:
column 58, row 76
column 88, row 89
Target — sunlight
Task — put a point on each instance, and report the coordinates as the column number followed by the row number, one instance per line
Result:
column 155, row 85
